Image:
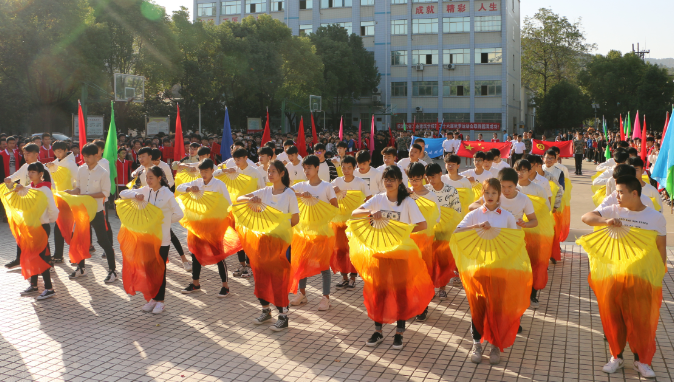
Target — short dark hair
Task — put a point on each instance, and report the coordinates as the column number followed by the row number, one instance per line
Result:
column 363, row 156
column 145, row 150
column 624, row 170
column 632, row 151
column 239, row 143
column 240, row 153
column 342, row 144
column 292, row 150
column 11, row 138
column 416, row 146
column 389, row 151
column 420, row 140
column 556, row 149
column 203, row 150
column 453, row 158
column 33, row 148
column 650, row 139
column 206, row 164
column 534, row 159
column 551, row 152
column 119, row 150
column 416, row 169
column 508, row 174
column 433, row 169
column 46, row 135
column 496, row 152
column 635, row 162
column 100, row 144
column 477, row 155
column 288, row 143
column 195, row 145
column 488, row 156
column 265, row 151
column 60, row 145
column 623, row 144
column 89, row 149
column 156, row 154
column 319, row 146
column 621, row 156
column 311, row 160
column 271, row 145
column 350, row 160
column 631, row 183
column 522, row 164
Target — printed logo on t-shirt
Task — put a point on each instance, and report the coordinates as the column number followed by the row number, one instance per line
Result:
column 391, row 215
column 367, row 181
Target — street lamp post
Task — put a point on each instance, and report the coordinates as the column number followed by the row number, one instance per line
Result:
column 595, row 106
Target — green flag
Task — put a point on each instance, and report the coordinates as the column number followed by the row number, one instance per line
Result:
column 628, row 127
column 110, row 151
column 404, row 126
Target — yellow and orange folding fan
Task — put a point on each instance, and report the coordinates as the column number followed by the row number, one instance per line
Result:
column 261, row 218
column 315, row 214
column 477, row 191
column 539, row 241
column 75, row 215
column 348, row 202
column 63, row 179
column 429, row 209
column 599, row 196
column 238, row 184
column 140, row 237
column 24, row 209
column 466, row 198
column 186, row 176
column 379, row 236
column 132, row 183
column 444, row 264
column 210, row 236
column 496, row 274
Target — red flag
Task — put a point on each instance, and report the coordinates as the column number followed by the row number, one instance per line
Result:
column 301, row 141
column 314, row 138
column 360, row 124
column 414, row 126
column 392, row 141
column 341, row 128
column 468, row 148
column 664, row 131
column 622, row 129
column 540, row 147
column 179, row 147
column 266, row 136
column 372, row 136
column 643, row 142
column 81, row 128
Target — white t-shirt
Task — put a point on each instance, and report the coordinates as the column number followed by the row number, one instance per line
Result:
column 372, row 178
column 322, row 191
column 263, row 174
column 486, row 174
column 608, row 164
column 612, row 199
column 518, row 147
column 407, row 212
column 229, row 163
column 461, row 183
column 544, row 183
column 498, row 166
column 324, row 171
column 283, row 157
column 215, row 185
column 652, row 193
column 499, row 218
column 534, row 190
column 295, row 172
column 285, row 202
column 356, row 184
column 404, row 164
column 381, row 170
column 448, row 196
column 253, row 173
column 519, row 206
column 449, row 145
column 647, row 219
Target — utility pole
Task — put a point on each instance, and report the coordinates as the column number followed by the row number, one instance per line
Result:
column 640, row 53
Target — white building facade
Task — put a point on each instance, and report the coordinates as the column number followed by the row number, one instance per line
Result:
column 457, row 62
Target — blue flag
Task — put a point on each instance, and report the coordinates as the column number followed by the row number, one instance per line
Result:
column 227, row 142
column 663, row 170
column 433, row 146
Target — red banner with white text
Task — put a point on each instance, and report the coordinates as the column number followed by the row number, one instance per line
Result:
column 452, row 126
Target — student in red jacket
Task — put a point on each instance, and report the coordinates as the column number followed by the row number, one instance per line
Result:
column 46, row 152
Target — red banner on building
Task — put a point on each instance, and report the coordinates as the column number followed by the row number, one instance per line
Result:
column 454, row 126
column 540, row 147
column 468, row 148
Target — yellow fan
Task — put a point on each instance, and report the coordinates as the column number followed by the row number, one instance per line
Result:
column 140, row 216
column 477, row 190
column 132, row 183
column 24, row 206
column 203, row 203
column 380, row 235
column 186, row 176
column 466, row 198
column 491, row 246
column 62, row 178
column 596, row 174
column 656, row 205
column 315, row 212
column 449, row 219
column 349, row 201
column 238, row 184
column 599, row 196
column 429, row 209
column 259, row 217
column 339, row 170
column 645, row 178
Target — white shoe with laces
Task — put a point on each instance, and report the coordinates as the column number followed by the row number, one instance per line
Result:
column 324, row 304
column 159, row 308
column 613, row 365
column 299, row 299
column 494, row 355
column 187, row 266
column 149, row 306
column 644, row 370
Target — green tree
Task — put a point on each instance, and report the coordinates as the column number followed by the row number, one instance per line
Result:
column 553, row 50
column 565, row 106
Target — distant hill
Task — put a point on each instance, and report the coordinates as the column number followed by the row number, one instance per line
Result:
column 667, row 62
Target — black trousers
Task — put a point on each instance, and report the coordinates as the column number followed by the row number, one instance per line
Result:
column 579, row 162
column 45, row 255
column 242, row 257
column 196, row 269
column 163, row 252
column 59, row 242
column 176, row 244
column 515, row 158
column 473, row 330
column 103, row 235
column 264, row 302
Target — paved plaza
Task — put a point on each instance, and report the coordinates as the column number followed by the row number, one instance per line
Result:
column 92, row 331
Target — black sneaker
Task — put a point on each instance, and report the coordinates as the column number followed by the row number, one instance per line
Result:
column 224, row 292
column 343, row 284
column 79, row 272
column 422, row 316
column 397, row 342
column 30, row 290
column 112, row 276
column 103, row 255
column 519, row 330
column 553, row 260
column 375, row 340
column 280, row 324
column 46, row 294
column 13, row 264
column 351, row 284
column 57, row 260
column 264, row 317
column 92, row 249
column 190, row 288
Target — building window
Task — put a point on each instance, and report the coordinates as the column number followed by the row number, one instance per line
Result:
column 367, row 28
column 456, row 56
column 231, row 8
column 346, row 25
column 206, row 9
column 306, row 4
column 456, row 88
column 398, row 1
column 426, row 117
column 366, row 2
column 488, row 88
column 426, row 57
column 399, row 57
column 488, row 117
column 398, row 26
column 256, row 6
column 455, row 24
column 488, row 56
column 487, row 23
column 276, row 5
column 425, row 88
column 398, row 89
column 306, row 29
column 456, row 117
column 335, row 3
column 424, row 26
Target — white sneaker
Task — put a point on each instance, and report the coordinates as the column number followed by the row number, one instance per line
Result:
column 455, row 281
column 299, row 299
column 149, row 306
column 159, row 308
column 613, row 365
column 476, row 353
column 324, row 304
column 644, row 370
column 188, row 266
column 494, row 355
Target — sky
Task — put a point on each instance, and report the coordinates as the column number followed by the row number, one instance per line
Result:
column 611, row 24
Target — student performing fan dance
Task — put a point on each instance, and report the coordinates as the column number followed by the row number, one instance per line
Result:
column 397, row 286
column 146, row 215
column 264, row 223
